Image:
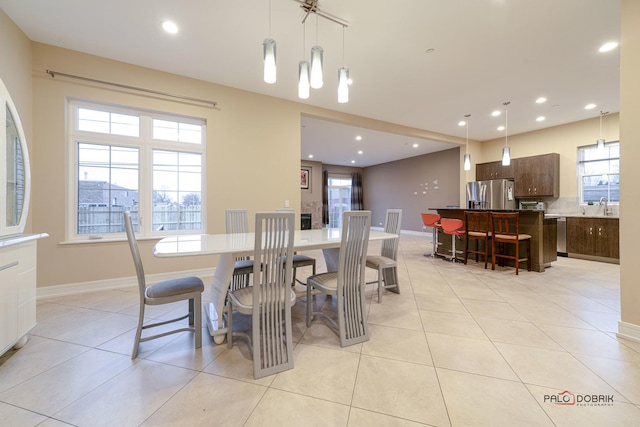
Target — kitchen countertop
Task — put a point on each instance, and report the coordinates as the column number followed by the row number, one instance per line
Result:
column 578, row 215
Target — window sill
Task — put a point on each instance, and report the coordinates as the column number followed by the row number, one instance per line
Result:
column 106, row 240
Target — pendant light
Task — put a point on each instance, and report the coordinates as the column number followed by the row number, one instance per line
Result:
column 269, row 55
column 303, row 72
column 506, row 157
column 600, row 142
column 467, row 156
column 316, row 62
column 343, row 78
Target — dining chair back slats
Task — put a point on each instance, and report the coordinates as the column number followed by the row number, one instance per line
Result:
column 348, row 283
column 269, row 298
column 271, row 317
column 386, row 264
column 237, row 222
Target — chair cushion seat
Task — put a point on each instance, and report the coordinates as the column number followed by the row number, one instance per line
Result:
column 512, row 236
column 376, row 261
column 479, row 234
column 301, row 260
column 326, row 282
column 242, row 298
column 171, row 287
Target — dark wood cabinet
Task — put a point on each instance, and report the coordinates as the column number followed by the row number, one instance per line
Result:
column 537, row 176
column 597, row 237
column 493, row 170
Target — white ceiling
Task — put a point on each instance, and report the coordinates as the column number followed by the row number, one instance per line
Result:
column 485, row 52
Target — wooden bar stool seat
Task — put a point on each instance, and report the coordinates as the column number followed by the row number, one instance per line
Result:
column 478, row 228
column 505, row 229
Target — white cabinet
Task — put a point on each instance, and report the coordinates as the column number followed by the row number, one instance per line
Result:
column 17, row 289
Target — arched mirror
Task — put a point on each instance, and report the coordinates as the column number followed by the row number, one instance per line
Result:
column 14, row 170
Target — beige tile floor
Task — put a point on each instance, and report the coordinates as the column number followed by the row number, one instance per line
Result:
column 460, row 346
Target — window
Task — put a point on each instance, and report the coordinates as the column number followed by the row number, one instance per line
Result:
column 145, row 162
column 339, row 200
column 599, row 173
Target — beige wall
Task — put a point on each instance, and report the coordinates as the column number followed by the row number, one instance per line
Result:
column 410, row 185
column 253, row 149
column 248, row 136
column 630, row 154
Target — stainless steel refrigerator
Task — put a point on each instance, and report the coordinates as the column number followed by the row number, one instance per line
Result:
column 491, row 194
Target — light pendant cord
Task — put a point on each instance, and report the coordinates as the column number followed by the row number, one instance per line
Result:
column 269, row 18
column 506, row 121
column 467, row 148
column 342, row 44
column 601, row 115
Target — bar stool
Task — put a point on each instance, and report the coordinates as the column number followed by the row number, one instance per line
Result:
column 505, row 228
column 478, row 229
column 431, row 220
column 454, row 228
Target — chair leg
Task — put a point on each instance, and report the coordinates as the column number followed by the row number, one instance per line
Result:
column 309, row 304
column 379, row 285
column 466, row 251
column 493, row 254
column 197, row 324
column 136, row 342
column 191, row 311
column 229, row 324
column 453, row 248
column 517, row 255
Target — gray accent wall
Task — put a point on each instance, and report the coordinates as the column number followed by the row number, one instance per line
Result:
column 413, row 185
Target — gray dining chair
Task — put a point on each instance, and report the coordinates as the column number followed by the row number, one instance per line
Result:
column 270, row 297
column 237, row 221
column 387, row 262
column 299, row 260
column 347, row 284
column 167, row 291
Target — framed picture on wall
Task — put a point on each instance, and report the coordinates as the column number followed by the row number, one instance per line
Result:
column 305, row 176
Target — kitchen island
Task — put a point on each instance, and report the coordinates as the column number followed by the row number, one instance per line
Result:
column 543, row 232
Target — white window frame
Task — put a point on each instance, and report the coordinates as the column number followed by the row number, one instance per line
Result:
column 580, row 174
column 145, row 144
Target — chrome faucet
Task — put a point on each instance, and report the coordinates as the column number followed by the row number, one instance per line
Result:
column 604, row 201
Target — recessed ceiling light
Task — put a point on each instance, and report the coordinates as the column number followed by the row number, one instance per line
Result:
column 462, row 123
column 496, row 113
column 608, row 46
column 360, row 152
column 311, row 156
column 170, row 27
column 353, row 161
column 541, row 100
column 590, row 106
column 358, row 138
column 500, row 128
column 415, row 145
column 540, row 119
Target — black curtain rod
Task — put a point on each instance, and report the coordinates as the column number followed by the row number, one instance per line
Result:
column 139, row 89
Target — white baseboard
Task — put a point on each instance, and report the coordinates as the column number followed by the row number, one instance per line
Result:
column 628, row 331
column 108, row 284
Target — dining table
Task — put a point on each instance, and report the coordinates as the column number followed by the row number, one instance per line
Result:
column 229, row 247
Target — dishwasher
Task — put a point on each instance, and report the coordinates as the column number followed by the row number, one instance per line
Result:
column 562, row 236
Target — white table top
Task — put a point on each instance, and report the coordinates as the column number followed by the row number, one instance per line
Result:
column 217, row 244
